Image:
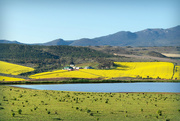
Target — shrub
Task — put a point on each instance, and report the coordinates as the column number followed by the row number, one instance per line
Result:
column 19, row 111
column 20, row 95
column 91, row 114
column 159, row 112
column 13, row 114
column 88, row 111
column 48, row 112
column 35, row 108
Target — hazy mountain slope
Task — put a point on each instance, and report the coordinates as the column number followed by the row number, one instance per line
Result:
column 147, row 37
column 10, row 42
column 58, row 42
column 84, row 42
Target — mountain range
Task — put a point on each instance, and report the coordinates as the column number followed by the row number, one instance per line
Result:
column 147, row 37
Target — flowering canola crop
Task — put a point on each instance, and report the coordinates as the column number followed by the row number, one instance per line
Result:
column 13, row 69
column 5, row 78
column 63, row 73
column 176, row 72
column 163, row 70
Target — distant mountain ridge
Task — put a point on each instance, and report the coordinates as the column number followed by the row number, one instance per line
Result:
column 58, row 42
column 10, row 42
column 147, row 37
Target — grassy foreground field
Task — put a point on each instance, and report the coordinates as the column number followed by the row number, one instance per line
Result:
column 31, row 105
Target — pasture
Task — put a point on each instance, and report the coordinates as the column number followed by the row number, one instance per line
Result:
column 26, row 104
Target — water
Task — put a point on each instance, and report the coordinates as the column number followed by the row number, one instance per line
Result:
column 109, row 87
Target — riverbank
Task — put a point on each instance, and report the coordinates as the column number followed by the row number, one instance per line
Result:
column 27, row 104
column 83, row 80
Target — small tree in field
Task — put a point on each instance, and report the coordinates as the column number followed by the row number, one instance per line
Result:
column 19, row 111
column 13, row 114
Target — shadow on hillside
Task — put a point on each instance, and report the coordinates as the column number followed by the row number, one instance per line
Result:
column 119, row 67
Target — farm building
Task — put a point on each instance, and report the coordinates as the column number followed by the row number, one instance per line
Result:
column 68, row 68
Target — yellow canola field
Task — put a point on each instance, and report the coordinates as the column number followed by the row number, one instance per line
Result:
column 176, row 72
column 5, row 78
column 64, row 74
column 163, row 70
column 13, row 69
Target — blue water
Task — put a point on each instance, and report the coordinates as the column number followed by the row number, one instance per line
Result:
column 109, row 87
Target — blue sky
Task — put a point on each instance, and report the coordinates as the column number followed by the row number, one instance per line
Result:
column 39, row 21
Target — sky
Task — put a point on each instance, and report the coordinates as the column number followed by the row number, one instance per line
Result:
column 39, row 21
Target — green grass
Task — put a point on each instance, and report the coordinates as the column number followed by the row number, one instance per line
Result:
column 26, row 104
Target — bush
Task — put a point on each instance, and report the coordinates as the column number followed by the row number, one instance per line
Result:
column 159, row 112
column 48, row 112
column 13, row 114
column 88, row 111
column 19, row 111
column 91, row 114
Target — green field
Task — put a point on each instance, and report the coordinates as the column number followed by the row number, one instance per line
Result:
column 27, row 104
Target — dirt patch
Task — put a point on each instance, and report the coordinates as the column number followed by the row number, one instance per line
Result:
column 171, row 55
